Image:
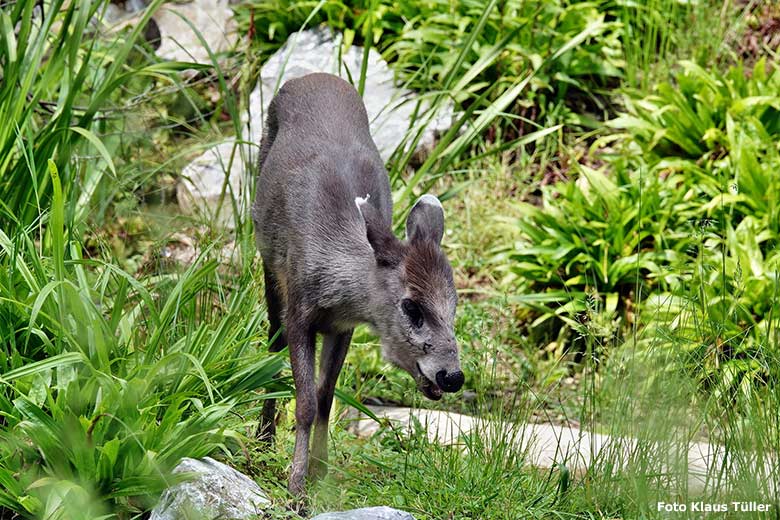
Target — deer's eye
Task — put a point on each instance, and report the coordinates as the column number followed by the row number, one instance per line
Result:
column 413, row 312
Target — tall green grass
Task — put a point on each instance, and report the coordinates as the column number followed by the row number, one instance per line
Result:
column 653, row 413
column 657, row 33
column 57, row 81
column 106, row 379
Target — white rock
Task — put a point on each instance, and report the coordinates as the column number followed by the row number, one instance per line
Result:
column 212, row 178
column 220, row 492
column 178, row 42
column 389, row 107
column 182, row 251
column 367, row 513
column 389, row 110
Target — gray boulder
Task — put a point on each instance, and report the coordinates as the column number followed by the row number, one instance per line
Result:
column 367, row 513
column 170, row 31
column 219, row 492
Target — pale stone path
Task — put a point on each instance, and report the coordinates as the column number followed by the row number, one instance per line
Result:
column 546, row 445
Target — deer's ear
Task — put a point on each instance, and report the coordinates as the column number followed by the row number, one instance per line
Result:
column 426, row 220
column 387, row 248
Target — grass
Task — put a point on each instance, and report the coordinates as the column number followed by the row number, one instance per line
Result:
column 105, row 403
column 486, row 482
column 610, row 276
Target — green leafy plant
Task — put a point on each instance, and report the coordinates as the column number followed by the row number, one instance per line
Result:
column 689, row 239
column 723, row 311
column 590, row 246
column 57, row 79
column 108, row 381
column 715, row 137
column 720, row 132
column 694, row 118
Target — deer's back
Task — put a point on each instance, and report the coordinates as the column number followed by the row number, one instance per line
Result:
column 317, row 157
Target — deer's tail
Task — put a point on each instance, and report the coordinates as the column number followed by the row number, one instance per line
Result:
column 269, row 134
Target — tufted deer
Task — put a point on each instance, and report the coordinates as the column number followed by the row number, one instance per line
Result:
column 323, row 226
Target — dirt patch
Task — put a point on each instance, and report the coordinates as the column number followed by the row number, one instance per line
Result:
column 762, row 33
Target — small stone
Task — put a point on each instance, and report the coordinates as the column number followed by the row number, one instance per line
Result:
column 220, row 492
column 213, row 19
column 469, row 396
column 367, row 513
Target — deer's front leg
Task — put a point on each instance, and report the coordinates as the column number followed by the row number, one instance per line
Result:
column 301, row 341
column 334, row 350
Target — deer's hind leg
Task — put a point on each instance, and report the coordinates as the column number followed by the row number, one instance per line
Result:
column 301, row 337
column 276, row 343
column 334, row 350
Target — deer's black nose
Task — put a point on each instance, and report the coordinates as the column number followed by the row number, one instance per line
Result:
column 449, row 382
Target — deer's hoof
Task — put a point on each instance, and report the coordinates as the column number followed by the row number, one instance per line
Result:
column 297, row 484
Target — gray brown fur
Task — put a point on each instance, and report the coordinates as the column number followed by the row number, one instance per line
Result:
column 323, row 225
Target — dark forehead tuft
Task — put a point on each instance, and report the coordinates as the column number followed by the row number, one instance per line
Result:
column 428, row 273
